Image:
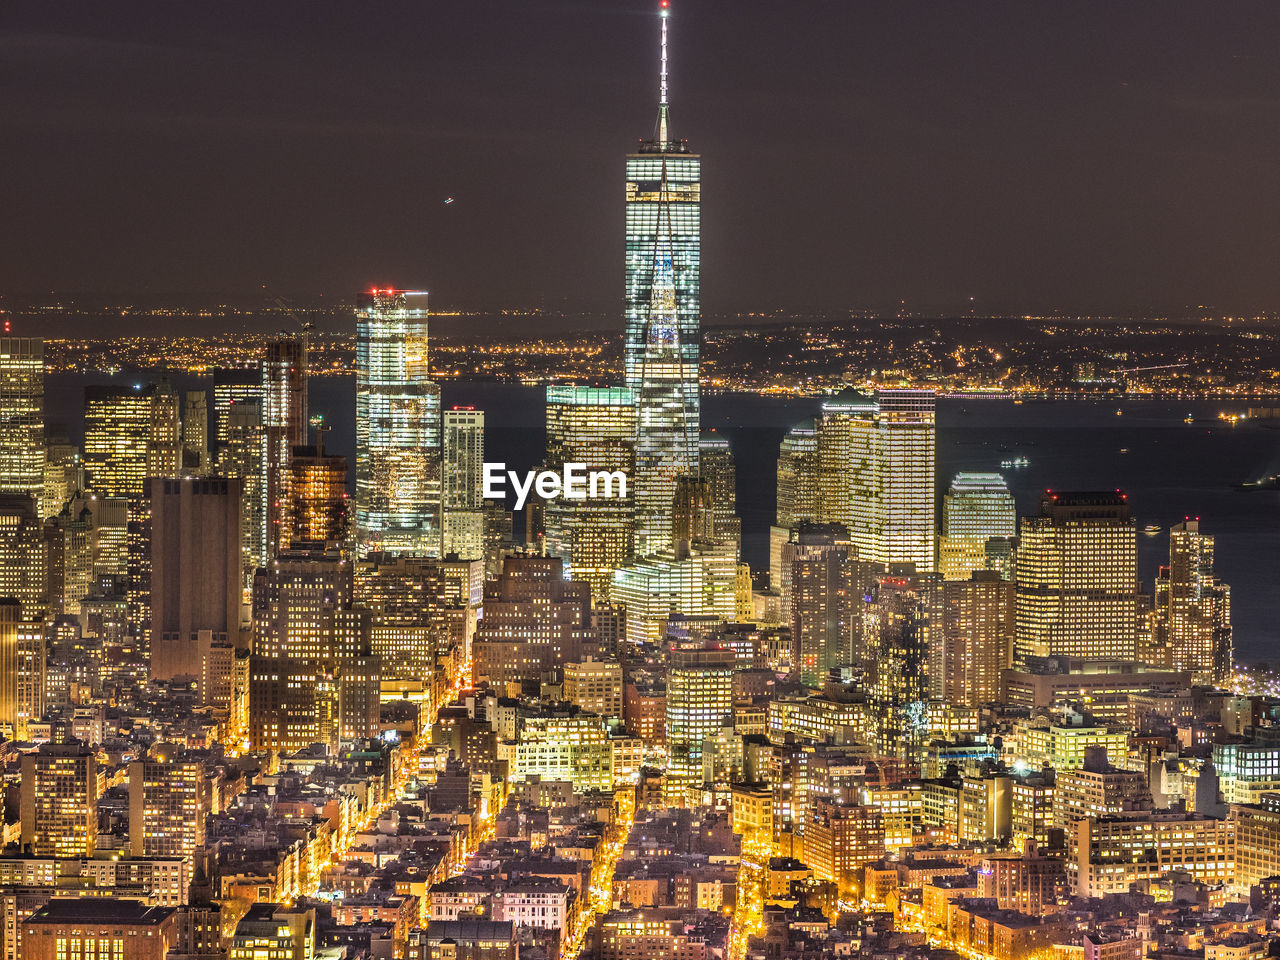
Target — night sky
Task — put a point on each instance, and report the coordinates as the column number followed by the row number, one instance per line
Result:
column 1089, row 157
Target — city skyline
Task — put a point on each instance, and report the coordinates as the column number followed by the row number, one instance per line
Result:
column 925, row 165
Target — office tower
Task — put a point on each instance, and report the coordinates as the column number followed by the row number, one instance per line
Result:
column 194, row 578
column 23, row 555
column 840, row 840
column 663, row 307
column 424, row 609
column 397, row 428
column 699, row 704
column 905, row 619
column 977, row 638
column 314, row 678
column 59, row 800
column 700, row 583
column 876, row 473
column 315, row 497
column 63, row 471
column 241, row 445
column 87, row 540
column 824, row 599
column 195, row 432
column 462, row 431
column 168, row 803
column 976, row 509
column 21, row 415
column 117, row 432
column 798, row 494
column 595, row 686
column 595, row 426
column 534, row 620
column 22, row 670
column 230, row 389
column 284, row 420
column 1077, row 579
column 715, row 459
column 693, row 518
column 1192, row 620
column 164, row 442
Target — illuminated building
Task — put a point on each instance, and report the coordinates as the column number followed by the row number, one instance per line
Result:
column 63, row 472
column 977, row 638
column 1107, row 854
column 275, row 931
column 313, row 677
column 693, row 519
column 557, row 744
column 595, row 426
column 284, row 422
column 398, row 491
column 117, row 431
column 1246, row 771
column 86, row 541
column 595, row 686
column 906, row 616
column 798, row 496
column 1022, row 882
column 167, row 806
column 462, row 429
column 22, row 671
column 23, row 562
column 976, row 509
column 422, row 608
column 240, row 454
column 699, row 704
column 1097, row 789
column 1077, row 579
column 817, row 718
column 1064, row 747
column 1257, row 842
column 825, row 600
column 195, row 432
column 315, row 496
column 534, row 620
column 21, row 415
column 194, row 580
column 841, row 839
column 1192, row 621
column 164, row 442
column 876, row 473
column 59, row 800
column 1031, row 814
column 715, row 460
column 663, row 316
column 105, row 928
column 232, row 388
column 699, row 583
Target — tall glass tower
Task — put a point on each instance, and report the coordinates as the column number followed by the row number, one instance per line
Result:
column 22, row 415
column 663, row 307
column 398, row 493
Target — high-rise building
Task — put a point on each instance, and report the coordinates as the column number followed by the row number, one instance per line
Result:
column 699, row 704
column 22, row 670
column 313, row 676
column 825, row 600
column 21, row 415
column 693, row 518
column 1077, row 579
column 595, row 686
column 398, row 491
column 63, row 471
column 117, row 433
column 315, row 497
column 164, row 444
column 976, row 509
column 462, row 431
column 284, row 420
column 168, row 803
column 241, row 447
column 23, row 555
column 905, row 617
column 1192, row 620
column 663, row 315
column 715, row 459
column 194, row 579
column 798, row 496
column 195, row 432
column 876, row 462
column 87, row 540
column 59, row 800
column 595, row 426
column 700, row 583
column 977, row 638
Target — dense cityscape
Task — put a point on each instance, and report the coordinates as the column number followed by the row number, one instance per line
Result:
column 263, row 698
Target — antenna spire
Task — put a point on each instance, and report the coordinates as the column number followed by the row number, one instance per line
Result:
column 664, row 11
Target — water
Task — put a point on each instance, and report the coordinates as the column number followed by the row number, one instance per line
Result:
column 1169, row 468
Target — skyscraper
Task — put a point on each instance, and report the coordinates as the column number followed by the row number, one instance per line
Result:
column 168, row 803
column 1192, row 622
column 21, row 415
column 117, row 432
column 315, row 497
column 906, row 618
column 595, row 426
column 977, row 638
column 699, row 704
column 798, row 498
column 22, row 670
column 398, row 491
column 164, row 444
column 663, row 314
column 59, row 800
column 463, row 445
column 976, row 509
column 241, row 446
column 717, row 466
column 824, row 599
column 1077, row 582
column 284, row 419
column 195, row 432
column 23, row 555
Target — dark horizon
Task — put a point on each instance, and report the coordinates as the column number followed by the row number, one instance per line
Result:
column 1090, row 158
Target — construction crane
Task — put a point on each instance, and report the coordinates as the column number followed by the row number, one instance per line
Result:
column 1163, row 366
column 305, row 325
